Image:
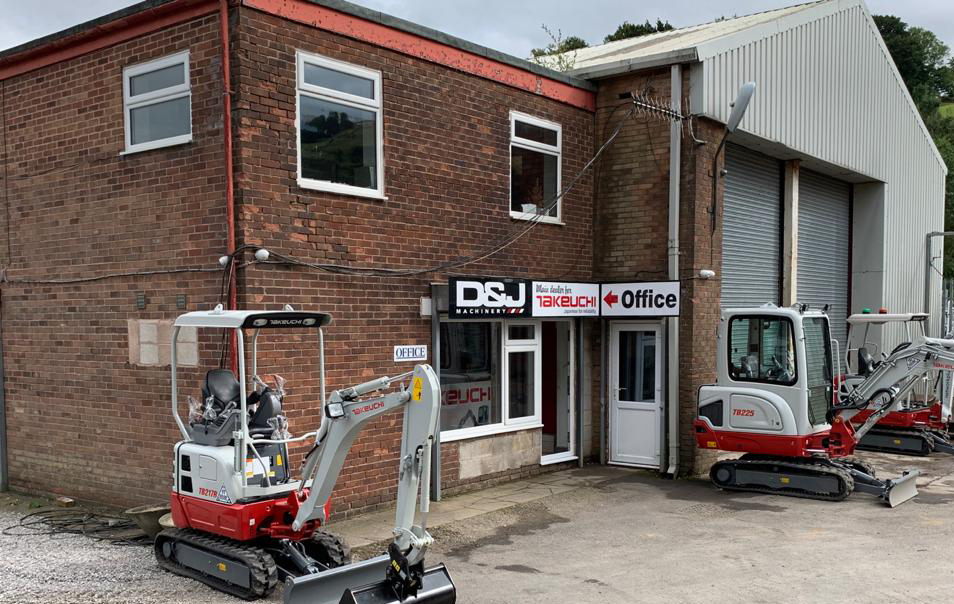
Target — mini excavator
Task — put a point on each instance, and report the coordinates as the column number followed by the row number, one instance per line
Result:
column 243, row 523
column 921, row 423
column 775, row 401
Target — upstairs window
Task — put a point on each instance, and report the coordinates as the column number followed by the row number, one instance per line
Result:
column 157, row 101
column 535, row 148
column 339, row 127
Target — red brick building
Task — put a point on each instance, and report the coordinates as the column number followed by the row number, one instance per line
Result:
column 361, row 142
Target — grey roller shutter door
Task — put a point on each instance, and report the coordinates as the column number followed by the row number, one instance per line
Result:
column 824, row 253
column 751, row 228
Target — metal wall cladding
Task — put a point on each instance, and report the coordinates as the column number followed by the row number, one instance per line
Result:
column 827, row 88
column 824, row 252
column 751, row 228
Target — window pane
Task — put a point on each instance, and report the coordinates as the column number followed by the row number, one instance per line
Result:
column 469, row 375
column 160, row 120
column 520, row 332
column 338, row 143
column 316, row 75
column 520, row 381
column 535, row 133
column 761, row 350
column 637, row 365
column 818, row 371
column 166, row 77
column 533, row 181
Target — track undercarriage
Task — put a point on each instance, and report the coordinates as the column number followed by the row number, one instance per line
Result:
column 820, row 478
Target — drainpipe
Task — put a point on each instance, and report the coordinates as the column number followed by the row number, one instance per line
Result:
column 928, row 268
column 4, row 471
column 672, row 323
column 227, row 143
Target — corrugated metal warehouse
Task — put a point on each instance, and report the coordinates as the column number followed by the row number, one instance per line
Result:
column 833, row 125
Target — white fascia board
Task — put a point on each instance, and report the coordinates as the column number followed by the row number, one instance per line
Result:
column 604, row 70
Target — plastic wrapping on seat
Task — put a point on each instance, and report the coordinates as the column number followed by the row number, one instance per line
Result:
column 279, row 425
column 195, row 411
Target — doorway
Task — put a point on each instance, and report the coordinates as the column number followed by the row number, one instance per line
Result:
column 635, row 393
column 557, row 409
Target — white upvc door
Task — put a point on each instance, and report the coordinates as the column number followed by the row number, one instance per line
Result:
column 635, row 394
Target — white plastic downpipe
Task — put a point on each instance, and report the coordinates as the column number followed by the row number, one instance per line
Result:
column 672, row 323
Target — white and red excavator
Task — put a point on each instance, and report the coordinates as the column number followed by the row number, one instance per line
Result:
column 244, row 523
column 775, row 401
column 921, row 423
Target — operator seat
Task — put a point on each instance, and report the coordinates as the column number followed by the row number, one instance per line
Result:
column 222, row 387
column 866, row 364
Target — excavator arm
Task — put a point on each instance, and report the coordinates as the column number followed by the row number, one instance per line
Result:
column 400, row 573
column 891, row 381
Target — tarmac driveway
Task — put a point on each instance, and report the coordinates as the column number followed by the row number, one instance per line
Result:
column 637, row 538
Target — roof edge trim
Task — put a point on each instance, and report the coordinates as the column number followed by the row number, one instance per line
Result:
column 111, row 29
column 402, row 36
column 685, row 55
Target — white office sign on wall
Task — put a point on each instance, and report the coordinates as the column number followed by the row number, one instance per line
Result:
column 410, row 353
column 644, row 299
column 559, row 299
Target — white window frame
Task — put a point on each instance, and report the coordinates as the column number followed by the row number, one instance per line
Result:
column 506, row 346
column 350, row 100
column 555, row 150
column 156, row 96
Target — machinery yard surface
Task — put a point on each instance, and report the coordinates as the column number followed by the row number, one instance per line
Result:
column 616, row 536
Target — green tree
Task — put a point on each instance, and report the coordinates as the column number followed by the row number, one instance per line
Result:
column 630, row 30
column 559, row 53
column 926, row 66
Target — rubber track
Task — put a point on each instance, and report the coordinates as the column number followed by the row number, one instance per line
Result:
column 263, row 572
column 329, row 549
column 847, row 482
column 858, row 464
column 900, row 433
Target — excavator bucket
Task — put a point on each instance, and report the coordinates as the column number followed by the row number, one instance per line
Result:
column 899, row 490
column 364, row 583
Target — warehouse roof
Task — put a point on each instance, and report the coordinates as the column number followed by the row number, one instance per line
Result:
column 663, row 48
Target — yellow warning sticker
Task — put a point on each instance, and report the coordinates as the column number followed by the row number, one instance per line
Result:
column 712, row 444
column 416, row 388
column 278, row 459
column 785, row 479
column 222, row 566
column 897, row 441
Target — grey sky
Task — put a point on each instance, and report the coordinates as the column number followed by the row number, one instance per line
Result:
column 505, row 25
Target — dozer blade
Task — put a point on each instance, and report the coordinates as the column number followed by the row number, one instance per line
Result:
column 901, row 489
column 436, row 588
column 363, row 583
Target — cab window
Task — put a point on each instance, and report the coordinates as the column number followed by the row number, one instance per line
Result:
column 762, row 349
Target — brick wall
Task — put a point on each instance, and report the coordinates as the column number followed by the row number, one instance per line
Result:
column 446, row 156
column 631, row 225
column 77, row 406
column 80, row 418
column 700, row 248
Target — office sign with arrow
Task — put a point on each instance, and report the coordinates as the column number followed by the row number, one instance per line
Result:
column 640, row 299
